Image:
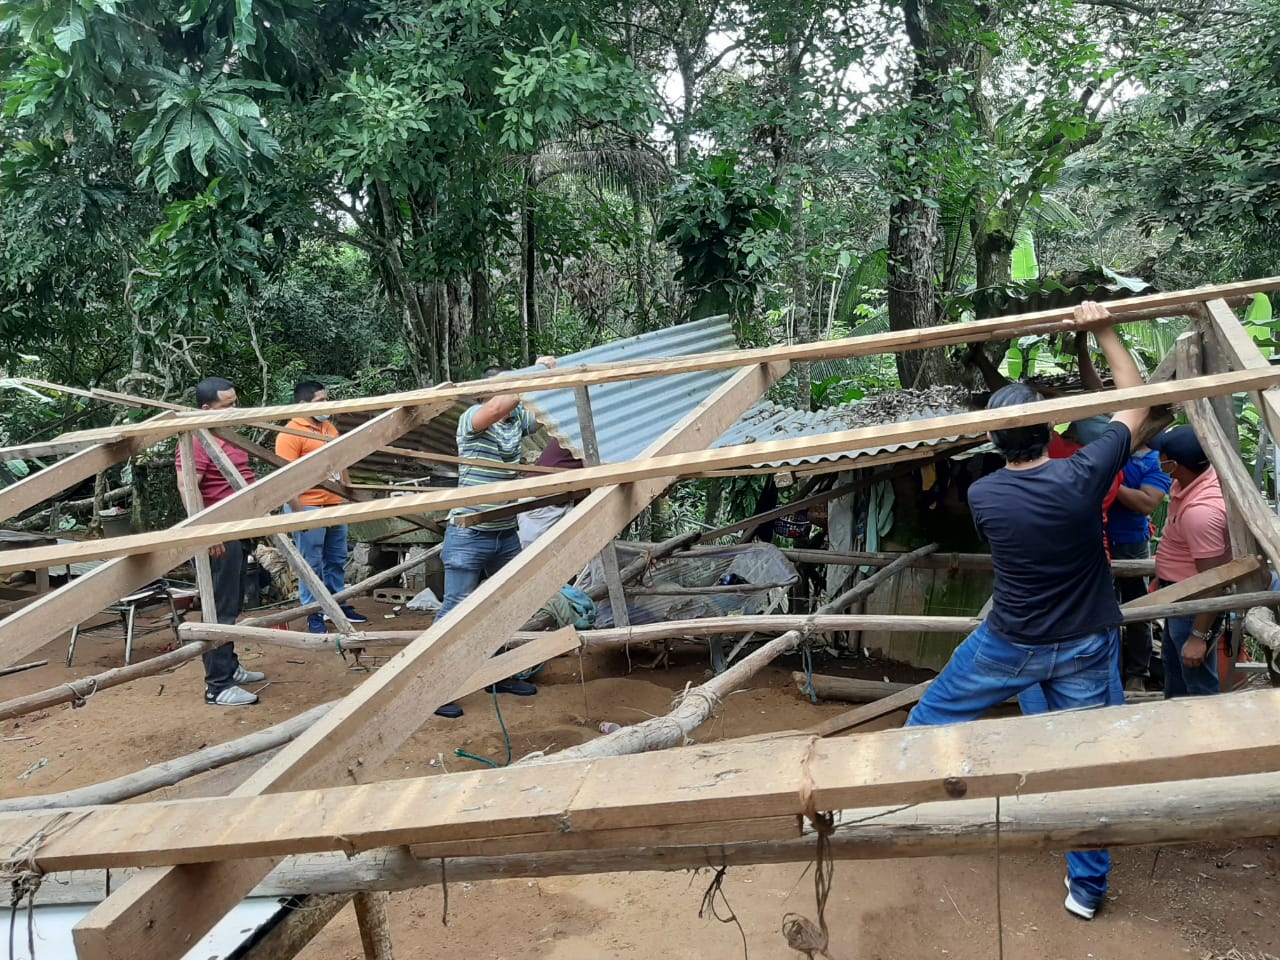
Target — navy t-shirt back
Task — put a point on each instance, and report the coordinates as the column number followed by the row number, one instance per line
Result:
column 1052, row 578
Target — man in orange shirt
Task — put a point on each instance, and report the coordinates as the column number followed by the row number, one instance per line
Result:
column 324, row 548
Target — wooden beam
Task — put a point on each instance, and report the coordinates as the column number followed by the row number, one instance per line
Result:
column 999, row 328
column 697, row 786
column 375, row 931
column 266, row 455
column 156, row 914
column 903, row 700
column 190, row 489
column 1202, row 584
column 1237, row 486
column 35, row 625
column 664, row 467
column 292, row 555
column 513, row 509
column 379, row 578
column 1244, row 354
column 608, row 555
column 40, row 485
column 1192, row 811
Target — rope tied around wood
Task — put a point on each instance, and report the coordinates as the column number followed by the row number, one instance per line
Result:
column 801, row 933
column 79, row 699
column 24, row 876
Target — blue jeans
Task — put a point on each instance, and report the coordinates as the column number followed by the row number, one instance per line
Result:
column 1179, row 679
column 470, row 555
column 985, row 671
column 325, row 550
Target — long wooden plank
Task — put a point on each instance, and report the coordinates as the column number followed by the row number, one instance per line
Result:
column 670, row 466
column 699, row 785
column 1185, row 812
column 1244, row 354
column 155, row 914
column 292, row 555
column 190, row 487
column 1000, row 328
column 40, row 485
column 36, row 624
column 1206, row 582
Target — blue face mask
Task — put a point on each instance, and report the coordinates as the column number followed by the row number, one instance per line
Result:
column 322, row 417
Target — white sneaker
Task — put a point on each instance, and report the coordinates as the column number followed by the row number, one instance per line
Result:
column 230, row 697
column 1074, row 906
column 248, row 676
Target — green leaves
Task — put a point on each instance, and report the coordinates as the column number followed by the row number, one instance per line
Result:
column 198, row 118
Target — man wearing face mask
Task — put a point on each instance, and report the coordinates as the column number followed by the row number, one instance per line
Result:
column 324, row 548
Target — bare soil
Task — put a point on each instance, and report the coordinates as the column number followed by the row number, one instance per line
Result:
column 1165, row 903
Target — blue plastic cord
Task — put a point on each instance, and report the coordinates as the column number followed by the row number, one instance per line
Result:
column 806, row 657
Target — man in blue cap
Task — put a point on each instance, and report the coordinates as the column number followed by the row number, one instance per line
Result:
column 1195, row 539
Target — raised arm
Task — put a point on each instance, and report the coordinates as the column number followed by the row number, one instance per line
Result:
column 1124, row 371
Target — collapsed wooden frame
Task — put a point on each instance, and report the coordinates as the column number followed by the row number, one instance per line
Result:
column 157, row 913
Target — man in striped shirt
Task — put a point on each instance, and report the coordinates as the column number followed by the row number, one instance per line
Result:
column 494, row 432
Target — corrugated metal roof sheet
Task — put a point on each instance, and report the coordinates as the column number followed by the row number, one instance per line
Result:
column 631, row 414
column 771, row 421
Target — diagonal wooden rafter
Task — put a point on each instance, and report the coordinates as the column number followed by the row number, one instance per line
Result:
column 156, row 913
column 1000, row 328
column 44, row 619
column 52, row 480
column 668, row 467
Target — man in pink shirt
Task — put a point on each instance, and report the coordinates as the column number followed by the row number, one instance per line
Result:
column 222, row 671
column 1194, row 539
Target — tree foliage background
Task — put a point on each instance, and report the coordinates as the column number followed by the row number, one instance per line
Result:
column 384, row 194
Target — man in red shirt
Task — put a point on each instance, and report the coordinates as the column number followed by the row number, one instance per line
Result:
column 324, row 548
column 222, row 671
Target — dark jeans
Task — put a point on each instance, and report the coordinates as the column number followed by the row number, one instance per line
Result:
column 985, row 671
column 469, row 555
column 1136, row 649
column 221, row 663
column 1179, row 679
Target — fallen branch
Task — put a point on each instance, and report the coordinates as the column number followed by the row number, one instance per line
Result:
column 696, row 705
column 169, row 772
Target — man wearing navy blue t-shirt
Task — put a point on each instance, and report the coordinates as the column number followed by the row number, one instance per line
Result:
column 1054, row 619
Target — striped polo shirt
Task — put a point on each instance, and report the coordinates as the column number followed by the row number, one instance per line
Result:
column 501, row 443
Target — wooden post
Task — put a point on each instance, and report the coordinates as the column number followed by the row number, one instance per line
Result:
column 1243, row 544
column 283, row 542
column 195, row 503
column 609, row 555
column 295, row 926
column 375, row 932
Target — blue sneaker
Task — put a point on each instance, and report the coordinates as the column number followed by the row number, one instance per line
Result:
column 315, row 623
column 351, row 613
column 1078, row 903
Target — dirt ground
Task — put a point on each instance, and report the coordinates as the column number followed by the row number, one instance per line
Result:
column 1172, row 902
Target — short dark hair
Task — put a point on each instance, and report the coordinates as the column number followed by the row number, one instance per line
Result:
column 1019, row 444
column 304, row 390
column 207, row 390
column 494, row 370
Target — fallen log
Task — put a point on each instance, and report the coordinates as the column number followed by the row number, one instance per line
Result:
column 848, row 689
column 1183, row 812
column 81, row 690
column 169, row 772
column 19, row 668
column 694, row 707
